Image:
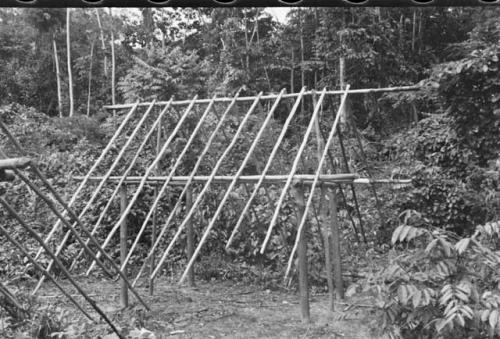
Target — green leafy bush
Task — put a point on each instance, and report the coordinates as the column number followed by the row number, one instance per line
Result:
column 441, row 285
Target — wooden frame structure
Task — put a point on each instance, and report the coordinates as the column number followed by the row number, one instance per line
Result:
column 174, row 130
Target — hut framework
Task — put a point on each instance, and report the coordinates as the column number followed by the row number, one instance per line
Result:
column 152, row 133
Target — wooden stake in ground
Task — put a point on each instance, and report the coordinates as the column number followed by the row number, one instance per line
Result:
column 190, row 237
column 298, row 193
column 335, row 244
column 324, row 205
column 123, row 246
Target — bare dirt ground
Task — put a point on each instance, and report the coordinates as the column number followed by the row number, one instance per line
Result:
column 220, row 310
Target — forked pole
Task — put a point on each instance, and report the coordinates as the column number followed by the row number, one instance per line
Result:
column 292, row 171
column 316, row 179
column 144, row 179
column 186, row 186
column 266, row 168
column 233, row 183
column 207, row 184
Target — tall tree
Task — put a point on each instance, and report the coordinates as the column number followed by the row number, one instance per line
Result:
column 70, row 75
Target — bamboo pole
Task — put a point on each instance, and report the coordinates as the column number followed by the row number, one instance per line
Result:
column 298, row 192
column 344, row 198
column 38, row 267
column 187, row 183
column 75, row 233
column 235, row 179
column 96, row 192
column 87, row 176
column 155, row 215
column 273, row 96
column 143, row 181
column 316, row 177
column 15, row 163
column 67, row 208
column 266, row 168
column 205, row 189
column 328, row 179
column 54, row 209
column 60, row 264
column 323, row 230
column 292, row 172
column 190, row 238
column 335, row 242
column 354, row 196
column 165, row 186
column 123, row 247
column 121, row 180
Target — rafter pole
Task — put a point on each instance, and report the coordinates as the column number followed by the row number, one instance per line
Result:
column 266, row 168
column 318, row 172
column 39, row 268
column 95, row 194
column 122, row 179
column 164, row 187
column 77, row 236
column 186, row 184
column 205, row 188
column 146, row 174
column 235, row 180
column 292, row 171
column 155, row 213
column 60, row 264
column 18, row 146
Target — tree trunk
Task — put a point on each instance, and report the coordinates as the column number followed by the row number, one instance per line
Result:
column 291, row 73
column 70, row 76
column 414, row 30
column 90, row 77
column 103, row 43
column 113, row 64
column 58, row 79
column 302, row 72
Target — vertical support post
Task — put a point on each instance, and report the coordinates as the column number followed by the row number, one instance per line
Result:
column 335, row 244
column 155, row 212
column 327, row 247
column 123, row 245
column 190, row 237
column 302, row 253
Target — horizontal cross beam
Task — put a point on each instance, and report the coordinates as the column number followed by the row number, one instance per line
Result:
column 327, row 179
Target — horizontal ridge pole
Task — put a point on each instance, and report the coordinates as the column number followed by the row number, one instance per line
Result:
column 274, row 96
